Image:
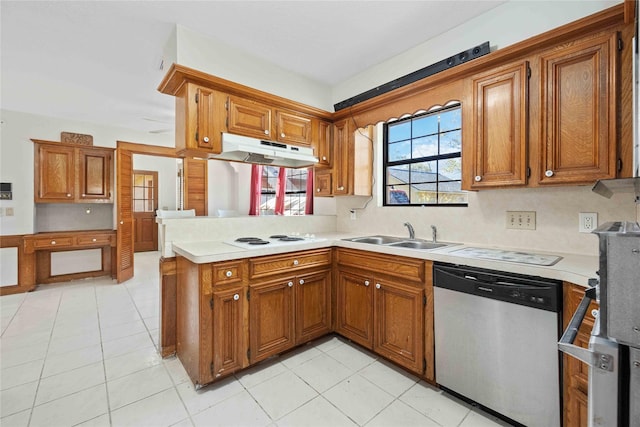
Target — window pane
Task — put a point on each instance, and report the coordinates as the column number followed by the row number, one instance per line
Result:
column 426, row 125
column 138, row 193
column 398, row 195
column 450, row 169
column 148, row 179
column 424, row 194
column 424, row 172
column 398, row 175
column 399, row 151
column 450, row 192
column 399, row 132
column 451, row 142
column 450, row 120
column 425, row 147
column 138, row 205
column 138, row 180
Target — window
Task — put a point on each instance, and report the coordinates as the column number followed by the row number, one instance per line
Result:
column 422, row 160
column 295, row 191
column 145, row 196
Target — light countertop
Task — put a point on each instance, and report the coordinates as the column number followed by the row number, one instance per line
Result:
column 572, row 268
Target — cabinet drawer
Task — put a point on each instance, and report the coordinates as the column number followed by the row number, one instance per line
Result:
column 97, row 239
column 52, row 242
column 286, row 263
column 225, row 273
column 404, row 268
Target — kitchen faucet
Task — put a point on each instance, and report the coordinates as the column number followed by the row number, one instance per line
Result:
column 412, row 232
column 434, row 232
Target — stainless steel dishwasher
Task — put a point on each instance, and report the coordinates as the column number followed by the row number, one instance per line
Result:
column 496, row 340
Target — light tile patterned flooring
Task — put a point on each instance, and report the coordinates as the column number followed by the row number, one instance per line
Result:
column 85, row 353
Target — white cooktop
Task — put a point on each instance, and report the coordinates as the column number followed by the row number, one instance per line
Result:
column 274, row 242
column 509, row 256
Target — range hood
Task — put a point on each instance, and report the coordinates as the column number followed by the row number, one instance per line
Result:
column 251, row 150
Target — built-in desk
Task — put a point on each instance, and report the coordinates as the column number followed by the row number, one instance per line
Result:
column 44, row 244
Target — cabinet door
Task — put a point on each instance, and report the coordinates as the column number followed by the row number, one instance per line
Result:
column 293, row 129
column 249, row 118
column 229, row 340
column 313, row 296
column 354, row 318
column 578, row 112
column 271, row 316
column 95, row 175
column 55, row 170
column 500, row 109
column 324, row 144
column 342, row 158
column 210, row 120
column 322, row 178
column 399, row 323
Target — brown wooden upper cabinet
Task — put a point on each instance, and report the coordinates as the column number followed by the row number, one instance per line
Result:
column 499, row 122
column 578, row 86
column 67, row 173
column 324, row 144
column 251, row 118
column 565, row 133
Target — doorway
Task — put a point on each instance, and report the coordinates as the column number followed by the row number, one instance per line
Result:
column 145, row 204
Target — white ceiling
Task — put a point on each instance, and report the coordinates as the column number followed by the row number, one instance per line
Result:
column 98, row 61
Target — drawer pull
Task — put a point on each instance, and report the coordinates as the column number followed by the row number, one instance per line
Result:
column 548, row 173
column 236, row 297
column 94, row 240
column 302, row 281
column 341, row 188
column 68, row 195
column 290, row 284
column 366, row 283
column 378, row 286
column 266, row 132
column 282, row 135
column 205, row 139
column 324, row 157
column 53, row 242
column 296, row 262
column 478, row 178
column 228, row 274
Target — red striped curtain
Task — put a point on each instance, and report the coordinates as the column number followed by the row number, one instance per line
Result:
column 281, row 189
column 256, row 190
column 308, row 207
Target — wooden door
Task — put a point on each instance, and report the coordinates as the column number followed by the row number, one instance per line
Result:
column 124, row 251
column 229, row 340
column 325, row 143
column 293, row 129
column 578, row 112
column 322, row 178
column 55, row 171
column 355, row 307
column 249, row 118
column 95, row 175
column 271, row 315
column 500, row 115
column 342, row 158
column 313, row 296
column 195, row 185
column 145, row 204
column 398, row 320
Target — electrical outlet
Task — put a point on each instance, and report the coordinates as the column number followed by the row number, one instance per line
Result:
column 521, row 220
column 352, row 214
column 588, row 222
column 9, row 211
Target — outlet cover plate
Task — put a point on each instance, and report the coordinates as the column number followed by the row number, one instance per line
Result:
column 588, row 222
column 521, row 220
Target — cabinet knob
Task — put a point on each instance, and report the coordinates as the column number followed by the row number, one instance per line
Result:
column 236, row 297
column 324, row 157
column 302, row 281
column 290, row 284
column 84, row 195
column 205, row 139
column 366, row 283
column 378, row 286
column 121, row 222
column 318, row 190
column 282, row 135
column 266, row 131
column 548, row 173
column 296, row 262
column 341, row 188
column 53, row 242
column 228, row 274
column 478, row 178
column 68, row 195
column 93, row 240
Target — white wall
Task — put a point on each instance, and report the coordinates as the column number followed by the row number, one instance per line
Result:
column 201, row 53
column 502, row 26
column 16, row 156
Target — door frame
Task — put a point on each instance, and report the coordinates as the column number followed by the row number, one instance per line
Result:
column 125, row 243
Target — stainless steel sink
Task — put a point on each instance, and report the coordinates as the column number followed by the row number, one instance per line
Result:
column 418, row 244
column 399, row 242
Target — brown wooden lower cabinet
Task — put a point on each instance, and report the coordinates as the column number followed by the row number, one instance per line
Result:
column 354, row 311
column 575, row 372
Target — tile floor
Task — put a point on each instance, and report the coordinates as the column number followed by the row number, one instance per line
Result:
column 85, row 353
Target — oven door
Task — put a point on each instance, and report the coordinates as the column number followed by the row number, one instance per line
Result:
column 603, row 358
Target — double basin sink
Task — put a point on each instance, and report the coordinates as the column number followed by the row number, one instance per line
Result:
column 399, row 242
